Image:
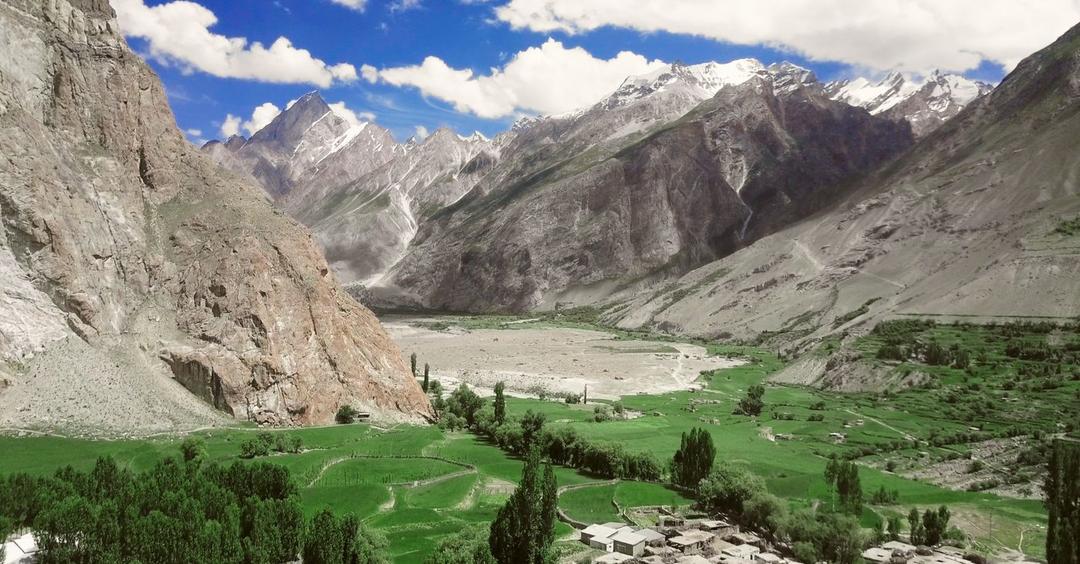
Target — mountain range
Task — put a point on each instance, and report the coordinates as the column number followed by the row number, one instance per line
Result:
column 376, row 206
column 148, row 284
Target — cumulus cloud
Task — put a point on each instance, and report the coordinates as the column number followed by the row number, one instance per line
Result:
column 357, row 5
column 230, row 126
column 370, row 73
column 265, row 113
column 353, row 118
column 421, row 132
column 549, row 79
column 261, row 117
column 906, row 35
column 178, row 32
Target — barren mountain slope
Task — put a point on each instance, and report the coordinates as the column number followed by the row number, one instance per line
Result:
column 556, row 224
column 128, row 257
column 963, row 225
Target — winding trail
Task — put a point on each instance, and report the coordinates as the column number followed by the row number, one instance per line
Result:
column 882, row 423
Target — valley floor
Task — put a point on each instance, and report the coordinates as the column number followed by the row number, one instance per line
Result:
column 374, row 472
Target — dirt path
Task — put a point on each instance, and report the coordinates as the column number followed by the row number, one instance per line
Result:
column 883, row 424
column 326, row 466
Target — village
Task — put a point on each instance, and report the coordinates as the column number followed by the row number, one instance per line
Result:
column 677, row 540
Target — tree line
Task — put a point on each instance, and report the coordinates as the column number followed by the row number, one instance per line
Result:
column 181, row 510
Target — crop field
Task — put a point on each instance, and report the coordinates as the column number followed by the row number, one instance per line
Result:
column 419, row 484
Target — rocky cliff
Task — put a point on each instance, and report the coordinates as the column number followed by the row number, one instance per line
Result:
column 130, row 262
column 965, row 224
column 583, row 206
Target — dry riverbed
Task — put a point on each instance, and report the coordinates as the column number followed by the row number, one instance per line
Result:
column 556, row 360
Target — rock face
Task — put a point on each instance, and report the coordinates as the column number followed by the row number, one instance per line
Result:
column 580, row 206
column 925, row 104
column 964, row 224
column 122, row 241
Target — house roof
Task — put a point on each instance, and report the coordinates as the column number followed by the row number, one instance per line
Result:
column 628, row 537
column 650, row 535
column 692, row 537
column 612, row 558
column 693, row 559
column 877, row 554
column 897, row 545
column 596, row 531
column 742, row 550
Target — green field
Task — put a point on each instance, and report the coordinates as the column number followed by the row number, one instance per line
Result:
column 463, row 480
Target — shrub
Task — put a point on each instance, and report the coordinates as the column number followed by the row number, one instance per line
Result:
column 346, row 414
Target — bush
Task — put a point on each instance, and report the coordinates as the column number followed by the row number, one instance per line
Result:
column 816, row 417
column 753, row 403
column 346, row 414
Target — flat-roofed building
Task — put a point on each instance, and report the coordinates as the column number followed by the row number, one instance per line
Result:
column 595, row 531
column 692, row 542
column 629, row 542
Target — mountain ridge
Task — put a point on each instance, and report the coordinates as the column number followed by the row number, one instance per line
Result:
column 138, row 268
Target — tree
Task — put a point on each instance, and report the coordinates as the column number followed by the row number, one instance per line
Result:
column 844, row 477
column 753, row 403
column 523, row 529
column 435, row 390
column 412, row 364
column 531, row 426
column 500, row 404
column 727, row 488
column 427, row 376
column 934, row 525
column 193, row 449
column 1062, row 487
column 549, row 511
column 892, row 529
column 468, row 547
column 346, row 414
column 915, row 528
column 323, row 543
column 694, row 458
column 465, row 403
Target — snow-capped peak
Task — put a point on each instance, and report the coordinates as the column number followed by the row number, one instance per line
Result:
column 895, row 88
column 705, row 78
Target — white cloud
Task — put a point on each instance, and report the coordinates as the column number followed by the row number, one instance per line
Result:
column 549, row 79
column 404, row 5
column 421, row 132
column 194, row 132
column 230, row 127
column 261, row 116
column 178, row 32
column 265, row 113
column 357, row 5
column 353, row 118
column 370, row 73
column 906, row 35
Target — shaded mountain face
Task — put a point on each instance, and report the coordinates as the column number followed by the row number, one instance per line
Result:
column 965, row 224
column 925, row 104
column 130, row 263
column 561, row 220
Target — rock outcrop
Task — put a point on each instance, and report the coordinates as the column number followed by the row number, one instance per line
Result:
column 121, row 240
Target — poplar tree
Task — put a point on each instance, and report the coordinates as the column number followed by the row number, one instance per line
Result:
column 524, row 528
column 694, row 458
column 500, row 404
column 1062, row 488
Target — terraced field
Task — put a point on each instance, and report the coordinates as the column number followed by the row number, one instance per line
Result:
column 419, row 484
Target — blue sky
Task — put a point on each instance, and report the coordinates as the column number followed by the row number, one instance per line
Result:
column 475, row 35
